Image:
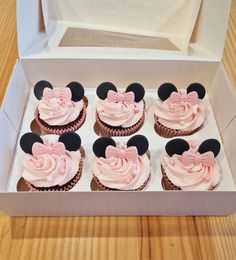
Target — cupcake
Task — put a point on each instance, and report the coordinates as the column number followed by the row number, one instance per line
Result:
column 190, row 166
column 179, row 112
column 120, row 112
column 51, row 162
column 120, row 166
column 59, row 110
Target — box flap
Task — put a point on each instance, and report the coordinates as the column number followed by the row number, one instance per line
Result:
column 30, row 27
column 184, row 27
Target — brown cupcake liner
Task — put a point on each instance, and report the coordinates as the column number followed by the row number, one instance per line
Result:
column 58, row 130
column 119, row 131
column 168, row 132
column 168, row 185
column 104, row 188
column 69, row 185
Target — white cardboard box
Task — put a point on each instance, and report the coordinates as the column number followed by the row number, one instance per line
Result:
column 189, row 40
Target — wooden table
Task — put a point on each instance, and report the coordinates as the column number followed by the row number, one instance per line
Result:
column 112, row 237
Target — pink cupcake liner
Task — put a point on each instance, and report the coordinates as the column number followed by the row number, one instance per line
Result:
column 72, row 127
column 168, row 132
column 104, row 188
column 120, row 132
column 69, row 185
column 168, row 185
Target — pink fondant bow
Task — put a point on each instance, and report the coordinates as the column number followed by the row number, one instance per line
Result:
column 64, row 93
column 56, row 149
column 114, row 97
column 130, row 153
column 176, row 98
column 207, row 159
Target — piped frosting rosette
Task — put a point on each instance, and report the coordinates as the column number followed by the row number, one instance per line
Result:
column 120, row 110
column 51, row 162
column 179, row 112
column 60, row 109
column 121, row 166
column 191, row 166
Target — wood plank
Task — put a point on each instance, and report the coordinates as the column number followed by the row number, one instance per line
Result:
column 8, row 45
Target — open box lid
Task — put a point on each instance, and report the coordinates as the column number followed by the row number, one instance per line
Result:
column 169, row 29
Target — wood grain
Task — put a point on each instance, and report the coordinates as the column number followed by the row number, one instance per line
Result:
column 112, row 237
column 8, row 45
column 229, row 57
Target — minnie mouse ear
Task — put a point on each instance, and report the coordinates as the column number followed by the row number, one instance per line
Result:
column 177, row 146
column 71, row 140
column 100, row 145
column 77, row 91
column 40, row 86
column 198, row 88
column 138, row 90
column 103, row 89
column 165, row 90
column 27, row 140
column 211, row 145
column 140, row 142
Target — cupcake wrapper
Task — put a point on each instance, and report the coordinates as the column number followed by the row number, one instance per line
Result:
column 72, row 127
column 104, row 188
column 168, row 185
column 168, row 132
column 69, row 185
column 121, row 131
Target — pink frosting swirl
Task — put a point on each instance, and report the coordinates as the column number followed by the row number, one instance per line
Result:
column 121, row 174
column 193, row 177
column 48, row 170
column 181, row 116
column 120, row 113
column 58, row 112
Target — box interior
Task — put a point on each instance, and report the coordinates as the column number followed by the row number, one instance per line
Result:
column 187, row 29
column 150, row 18
column 123, row 73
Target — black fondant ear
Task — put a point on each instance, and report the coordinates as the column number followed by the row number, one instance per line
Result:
column 100, row 145
column 77, row 91
column 138, row 90
column 177, row 146
column 212, row 145
column 71, row 140
column 40, row 86
column 103, row 89
column 198, row 88
column 165, row 90
column 27, row 140
column 141, row 142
